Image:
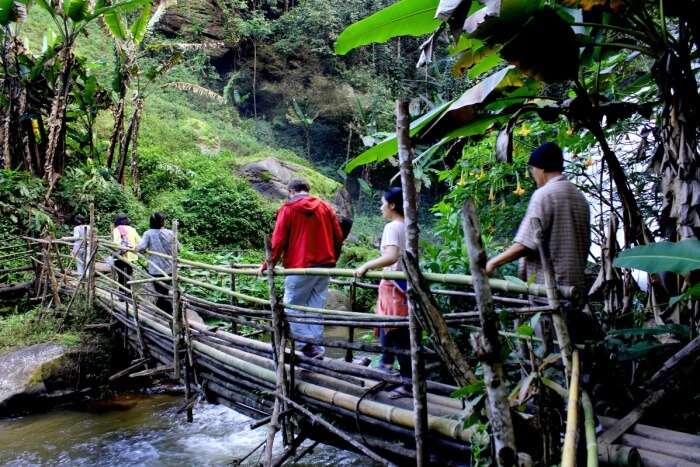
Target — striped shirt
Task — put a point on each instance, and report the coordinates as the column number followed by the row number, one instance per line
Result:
column 566, row 231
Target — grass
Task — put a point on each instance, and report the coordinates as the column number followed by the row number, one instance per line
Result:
column 19, row 329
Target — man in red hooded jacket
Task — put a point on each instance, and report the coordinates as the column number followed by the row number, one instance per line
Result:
column 307, row 235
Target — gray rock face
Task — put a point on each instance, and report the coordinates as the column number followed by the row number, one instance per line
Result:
column 270, row 178
column 31, row 371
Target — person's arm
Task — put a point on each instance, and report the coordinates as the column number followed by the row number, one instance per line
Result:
column 280, row 236
column 144, row 244
column 338, row 237
column 390, row 256
column 515, row 251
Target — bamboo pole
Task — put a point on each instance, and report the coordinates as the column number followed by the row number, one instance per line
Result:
column 410, row 209
column 487, row 343
column 278, row 346
column 177, row 312
column 93, row 253
column 569, row 450
column 454, row 279
column 433, row 321
column 589, row 424
column 550, row 281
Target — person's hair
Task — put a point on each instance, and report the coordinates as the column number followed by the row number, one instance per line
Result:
column 78, row 219
column 298, row 185
column 156, row 221
column 394, row 196
column 547, row 157
column 345, row 226
column 121, row 219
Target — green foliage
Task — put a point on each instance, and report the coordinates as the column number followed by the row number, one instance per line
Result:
column 499, row 190
column 21, row 203
column 32, row 327
column 681, row 257
column 81, row 186
column 403, row 18
column 224, row 211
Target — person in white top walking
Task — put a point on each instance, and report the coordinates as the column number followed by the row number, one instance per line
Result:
column 391, row 300
column 79, row 250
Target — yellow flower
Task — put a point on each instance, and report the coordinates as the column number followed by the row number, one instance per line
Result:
column 35, row 127
column 492, row 196
column 481, row 174
column 524, row 131
column 519, row 190
column 461, row 180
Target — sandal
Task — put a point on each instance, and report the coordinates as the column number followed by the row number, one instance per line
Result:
column 400, row 393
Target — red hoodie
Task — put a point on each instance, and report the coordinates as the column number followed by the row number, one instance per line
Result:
column 307, row 233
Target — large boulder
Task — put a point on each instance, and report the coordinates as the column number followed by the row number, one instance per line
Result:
column 270, row 177
column 35, row 371
column 202, row 19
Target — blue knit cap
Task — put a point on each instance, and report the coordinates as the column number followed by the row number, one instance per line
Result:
column 547, row 157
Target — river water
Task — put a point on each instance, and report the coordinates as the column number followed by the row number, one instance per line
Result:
column 147, row 431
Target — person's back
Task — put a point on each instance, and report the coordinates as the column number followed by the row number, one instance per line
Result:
column 158, row 241
column 127, row 237
column 564, row 213
column 308, row 233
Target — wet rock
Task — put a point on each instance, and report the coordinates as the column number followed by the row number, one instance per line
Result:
column 337, row 300
column 202, row 19
column 34, row 371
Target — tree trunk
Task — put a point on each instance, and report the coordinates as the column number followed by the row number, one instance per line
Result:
column 678, row 162
column 124, row 145
column 118, row 129
column 255, row 73
column 135, row 184
column 410, row 208
column 57, row 117
column 487, row 343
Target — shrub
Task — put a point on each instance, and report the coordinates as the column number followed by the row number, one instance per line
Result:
column 81, row 186
column 224, row 211
column 21, row 208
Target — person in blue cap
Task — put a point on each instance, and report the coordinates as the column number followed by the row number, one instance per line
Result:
column 564, row 213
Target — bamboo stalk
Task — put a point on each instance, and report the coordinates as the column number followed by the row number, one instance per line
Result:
column 410, row 209
column 93, row 253
column 569, row 450
column 454, row 279
column 177, row 311
column 487, row 343
column 560, row 326
column 589, row 424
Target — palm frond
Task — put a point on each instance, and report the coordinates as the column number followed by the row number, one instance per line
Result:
column 196, row 89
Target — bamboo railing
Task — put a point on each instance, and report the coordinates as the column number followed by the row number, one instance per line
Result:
column 256, row 375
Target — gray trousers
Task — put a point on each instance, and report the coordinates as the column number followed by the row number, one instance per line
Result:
column 308, row 291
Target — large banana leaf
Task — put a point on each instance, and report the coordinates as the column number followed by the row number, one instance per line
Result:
column 76, row 10
column 681, row 257
column 389, row 146
column 140, row 26
column 116, row 25
column 8, row 12
column 403, row 18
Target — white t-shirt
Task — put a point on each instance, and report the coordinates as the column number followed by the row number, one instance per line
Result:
column 394, row 234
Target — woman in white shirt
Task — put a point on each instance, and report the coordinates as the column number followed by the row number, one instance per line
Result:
column 79, row 250
column 391, row 300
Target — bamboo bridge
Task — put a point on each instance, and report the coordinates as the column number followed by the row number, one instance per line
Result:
column 249, row 362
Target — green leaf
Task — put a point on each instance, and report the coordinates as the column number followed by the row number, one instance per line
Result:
column 388, row 147
column 681, row 257
column 140, row 26
column 7, row 8
column 468, row 390
column 45, row 5
column 76, row 10
column 497, row 17
column 116, row 25
column 403, row 18
column 525, row 330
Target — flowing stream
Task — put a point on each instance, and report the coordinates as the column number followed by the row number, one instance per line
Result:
column 144, row 431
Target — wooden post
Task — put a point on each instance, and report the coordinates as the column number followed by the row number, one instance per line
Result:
column 278, row 345
column 487, row 343
column 410, row 209
column 137, row 323
column 52, row 276
column 93, row 255
column 233, row 298
column 550, row 283
column 177, row 312
column 351, row 329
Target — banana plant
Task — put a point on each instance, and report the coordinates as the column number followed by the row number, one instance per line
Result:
column 129, row 42
column 71, row 18
column 305, row 119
